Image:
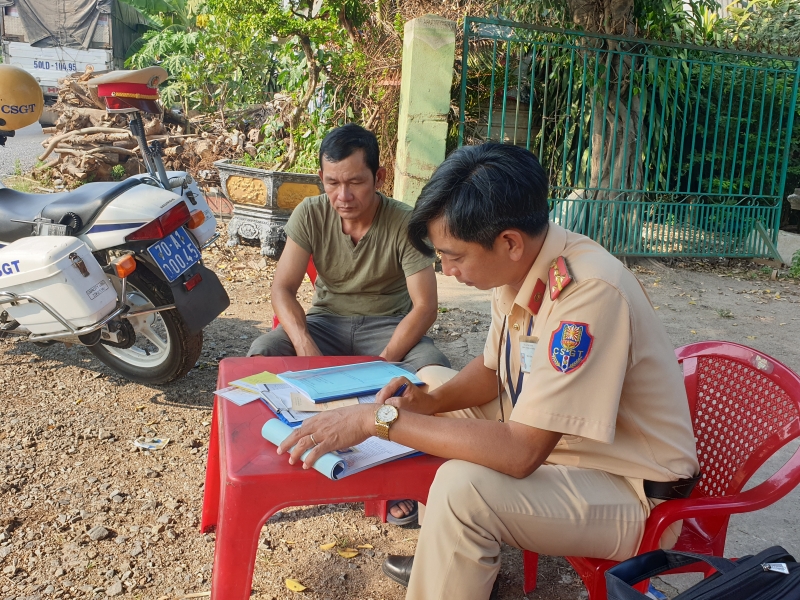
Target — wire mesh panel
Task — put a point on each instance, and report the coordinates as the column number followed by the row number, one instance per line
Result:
column 651, row 148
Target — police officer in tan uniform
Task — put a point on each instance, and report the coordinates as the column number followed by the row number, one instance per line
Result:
column 574, row 422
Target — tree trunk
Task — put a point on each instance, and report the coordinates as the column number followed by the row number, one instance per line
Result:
column 312, row 67
column 614, row 164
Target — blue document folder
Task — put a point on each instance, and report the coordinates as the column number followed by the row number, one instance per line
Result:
column 334, row 383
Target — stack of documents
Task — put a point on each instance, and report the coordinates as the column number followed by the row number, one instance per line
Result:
column 346, row 381
column 296, row 396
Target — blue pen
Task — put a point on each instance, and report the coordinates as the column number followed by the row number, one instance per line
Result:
column 399, row 391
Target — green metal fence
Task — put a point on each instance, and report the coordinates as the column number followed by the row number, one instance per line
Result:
column 652, row 149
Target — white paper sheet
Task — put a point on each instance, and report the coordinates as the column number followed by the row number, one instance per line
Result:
column 237, row 395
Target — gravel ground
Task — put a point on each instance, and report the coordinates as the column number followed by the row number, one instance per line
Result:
column 24, row 147
column 84, row 514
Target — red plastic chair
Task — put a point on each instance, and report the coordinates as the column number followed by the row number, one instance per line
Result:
column 745, row 406
column 311, row 271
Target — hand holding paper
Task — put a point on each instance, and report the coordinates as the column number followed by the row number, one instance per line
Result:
column 328, row 464
column 334, row 464
column 332, row 430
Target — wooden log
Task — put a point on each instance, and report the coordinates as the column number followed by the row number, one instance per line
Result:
column 80, row 94
column 53, row 142
column 100, row 103
column 154, row 127
column 173, row 151
column 74, row 169
column 99, row 149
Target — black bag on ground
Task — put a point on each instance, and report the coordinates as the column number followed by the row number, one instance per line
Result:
column 772, row 574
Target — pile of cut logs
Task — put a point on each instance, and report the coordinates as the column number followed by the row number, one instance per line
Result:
column 87, row 143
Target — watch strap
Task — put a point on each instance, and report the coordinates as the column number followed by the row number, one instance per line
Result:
column 382, row 430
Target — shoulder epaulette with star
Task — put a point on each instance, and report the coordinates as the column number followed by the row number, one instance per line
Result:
column 559, row 277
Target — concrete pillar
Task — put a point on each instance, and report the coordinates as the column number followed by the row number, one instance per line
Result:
column 429, row 46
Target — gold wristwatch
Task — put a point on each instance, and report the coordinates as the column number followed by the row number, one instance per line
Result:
column 384, row 417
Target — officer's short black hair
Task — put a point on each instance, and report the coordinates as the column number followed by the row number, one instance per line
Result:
column 343, row 141
column 481, row 191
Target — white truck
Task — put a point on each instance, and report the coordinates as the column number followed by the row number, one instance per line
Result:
column 54, row 38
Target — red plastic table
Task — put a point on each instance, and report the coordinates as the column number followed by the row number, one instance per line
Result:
column 247, row 482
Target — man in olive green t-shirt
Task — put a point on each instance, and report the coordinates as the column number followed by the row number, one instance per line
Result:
column 375, row 294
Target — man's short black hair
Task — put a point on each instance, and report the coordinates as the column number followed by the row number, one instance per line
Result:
column 343, row 141
column 481, row 191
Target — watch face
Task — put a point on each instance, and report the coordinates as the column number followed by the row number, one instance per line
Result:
column 386, row 413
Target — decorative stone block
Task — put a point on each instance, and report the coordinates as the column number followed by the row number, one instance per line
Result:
column 262, row 202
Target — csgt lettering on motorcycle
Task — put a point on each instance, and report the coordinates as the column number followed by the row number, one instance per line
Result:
column 17, row 109
column 9, row 268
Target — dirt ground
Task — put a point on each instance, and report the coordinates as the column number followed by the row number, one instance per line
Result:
column 84, row 514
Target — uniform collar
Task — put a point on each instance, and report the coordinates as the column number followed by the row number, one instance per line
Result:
column 554, row 244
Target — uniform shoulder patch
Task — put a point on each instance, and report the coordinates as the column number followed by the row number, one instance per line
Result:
column 535, row 303
column 558, row 276
column 570, row 345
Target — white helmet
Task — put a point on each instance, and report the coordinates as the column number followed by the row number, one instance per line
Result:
column 21, row 99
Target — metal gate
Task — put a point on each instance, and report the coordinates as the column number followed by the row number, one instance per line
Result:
column 652, row 149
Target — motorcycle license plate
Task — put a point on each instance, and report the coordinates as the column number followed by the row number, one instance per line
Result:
column 175, row 254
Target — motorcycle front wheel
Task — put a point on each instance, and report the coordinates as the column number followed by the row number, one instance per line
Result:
column 164, row 349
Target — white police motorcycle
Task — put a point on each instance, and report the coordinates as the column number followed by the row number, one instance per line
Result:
column 115, row 267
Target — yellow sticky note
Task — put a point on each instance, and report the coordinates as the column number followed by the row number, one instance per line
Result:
column 266, row 377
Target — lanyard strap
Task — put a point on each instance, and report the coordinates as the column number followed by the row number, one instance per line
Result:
column 514, row 392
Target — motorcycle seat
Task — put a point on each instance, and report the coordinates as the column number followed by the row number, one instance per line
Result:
column 20, row 206
column 86, row 202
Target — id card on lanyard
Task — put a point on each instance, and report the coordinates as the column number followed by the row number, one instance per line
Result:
column 527, row 346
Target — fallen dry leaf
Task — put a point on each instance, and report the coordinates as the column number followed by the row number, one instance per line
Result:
column 295, row 585
column 347, row 552
column 365, row 546
column 693, row 331
column 327, row 546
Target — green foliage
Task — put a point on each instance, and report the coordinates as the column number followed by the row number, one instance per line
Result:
column 174, row 49
column 398, row 25
column 233, row 66
column 169, row 12
column 764, row 26
column 794, row 269
column 213, row 67
column 285, row 18
column 118, row 172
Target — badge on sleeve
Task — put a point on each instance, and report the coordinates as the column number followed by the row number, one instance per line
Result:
column 570, row 345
